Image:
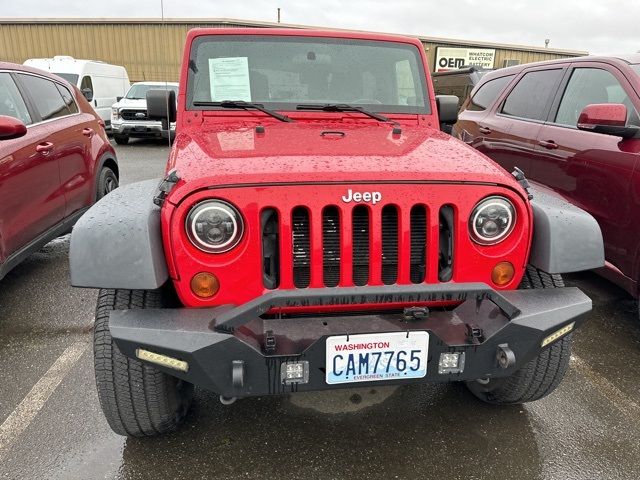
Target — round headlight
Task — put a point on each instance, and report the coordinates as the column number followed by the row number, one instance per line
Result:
column 492, row 220
column 214, row 226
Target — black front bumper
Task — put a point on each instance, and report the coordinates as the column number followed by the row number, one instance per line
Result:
column 236, row 353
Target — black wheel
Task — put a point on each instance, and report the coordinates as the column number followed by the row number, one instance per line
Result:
column 107, row 182
column 540, row 376
column 137, row 399
column 121, row 139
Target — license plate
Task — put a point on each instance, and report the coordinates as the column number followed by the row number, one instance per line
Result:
column 376, row 356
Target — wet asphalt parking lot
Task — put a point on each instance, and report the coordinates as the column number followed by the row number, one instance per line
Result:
column 51, row 426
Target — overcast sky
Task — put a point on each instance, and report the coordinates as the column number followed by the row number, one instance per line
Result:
column 597, row 26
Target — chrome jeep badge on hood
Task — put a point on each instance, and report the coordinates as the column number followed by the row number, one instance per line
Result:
column 370, row 197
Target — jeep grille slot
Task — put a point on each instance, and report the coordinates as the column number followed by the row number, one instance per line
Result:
column 331, row 246
column 270, row 228
column 445, row 258
column 389, row 244
column 301, row 247
column 361, row 228
column 418, row 243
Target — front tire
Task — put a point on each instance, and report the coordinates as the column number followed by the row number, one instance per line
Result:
column 540, row 376
column 534, row 278
column 121, row 139
column 137, row 400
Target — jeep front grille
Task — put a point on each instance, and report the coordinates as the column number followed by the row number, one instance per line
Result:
column 361, row 244
column 128, row 114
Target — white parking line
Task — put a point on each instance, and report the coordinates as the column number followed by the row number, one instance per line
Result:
column 31, row 404
column 612, row 393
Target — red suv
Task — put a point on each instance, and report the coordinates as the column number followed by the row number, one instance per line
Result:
column 572, row 125
column 55, row 160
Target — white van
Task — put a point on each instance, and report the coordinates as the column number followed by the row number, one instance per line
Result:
column 102, row 84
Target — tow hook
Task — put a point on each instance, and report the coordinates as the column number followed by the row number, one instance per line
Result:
column 505, row 356
column 227, row 400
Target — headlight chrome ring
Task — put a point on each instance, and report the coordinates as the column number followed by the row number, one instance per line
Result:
column 492, row 220
column 214, row 226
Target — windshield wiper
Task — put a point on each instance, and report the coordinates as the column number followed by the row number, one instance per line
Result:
column 345, row 107
column 244, row 105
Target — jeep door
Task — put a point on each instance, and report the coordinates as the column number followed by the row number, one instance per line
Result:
column 70, row 133
column 510, row 130
column 594, row 170
column 31, row 201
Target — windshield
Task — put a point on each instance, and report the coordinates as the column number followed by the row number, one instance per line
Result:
column 139, row 91
column 72, row 78
column 283, row 72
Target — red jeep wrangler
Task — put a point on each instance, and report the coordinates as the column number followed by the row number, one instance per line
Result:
column 315, row 230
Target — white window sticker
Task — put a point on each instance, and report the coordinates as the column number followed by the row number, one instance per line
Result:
column 229, row 79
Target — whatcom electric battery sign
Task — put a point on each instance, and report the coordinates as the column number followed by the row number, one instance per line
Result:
column 448, row 58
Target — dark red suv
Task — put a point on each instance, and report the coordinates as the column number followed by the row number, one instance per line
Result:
column 55, row 160
column 572, row 125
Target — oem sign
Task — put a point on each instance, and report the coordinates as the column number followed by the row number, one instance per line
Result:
column 451, row 58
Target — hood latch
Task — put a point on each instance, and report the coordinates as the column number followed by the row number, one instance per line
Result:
column 522, row 180
column 166, row 185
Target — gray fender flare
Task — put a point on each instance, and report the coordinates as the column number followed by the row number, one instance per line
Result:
column 565, row 238
column 117, row 243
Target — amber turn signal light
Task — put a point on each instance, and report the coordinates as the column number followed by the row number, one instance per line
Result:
column 205, row 285
column 502, row 273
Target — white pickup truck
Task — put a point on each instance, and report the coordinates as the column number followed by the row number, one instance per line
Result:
column 129, row 114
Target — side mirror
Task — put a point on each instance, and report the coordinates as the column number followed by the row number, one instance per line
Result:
column 88, row 94
column 607, row 118
column 161, row 105
column 118, row 99
column 11, row 127
column 447, row 109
